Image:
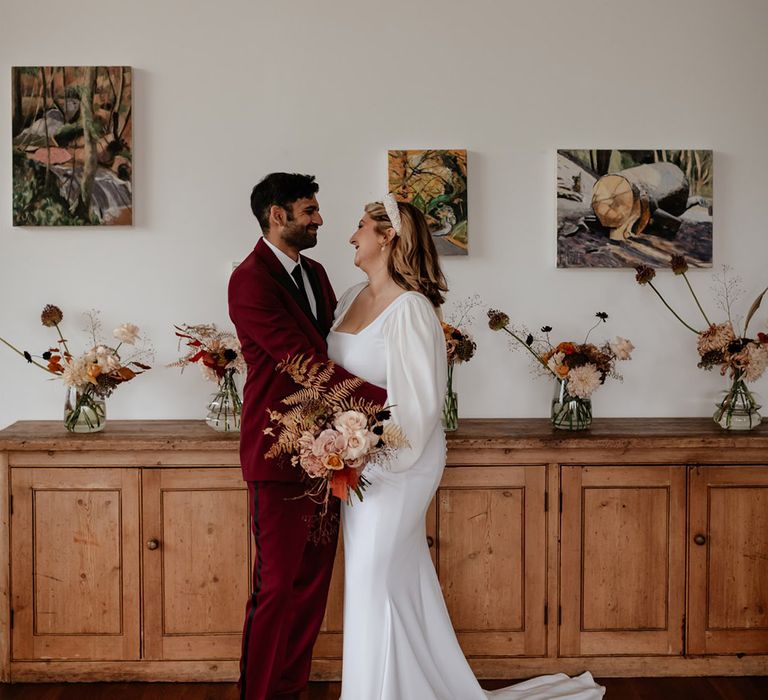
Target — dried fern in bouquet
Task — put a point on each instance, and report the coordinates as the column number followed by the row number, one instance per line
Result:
column 330, row 433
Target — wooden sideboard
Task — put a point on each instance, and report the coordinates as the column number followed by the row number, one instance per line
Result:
column 639, row 547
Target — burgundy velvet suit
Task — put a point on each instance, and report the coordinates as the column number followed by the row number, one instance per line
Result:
column 291, row 573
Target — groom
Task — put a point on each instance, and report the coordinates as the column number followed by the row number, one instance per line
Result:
column 282, row 305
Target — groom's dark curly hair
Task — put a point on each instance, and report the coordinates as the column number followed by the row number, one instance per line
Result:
column 282, row 189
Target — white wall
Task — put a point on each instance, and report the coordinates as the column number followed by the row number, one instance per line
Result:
column 228, row 91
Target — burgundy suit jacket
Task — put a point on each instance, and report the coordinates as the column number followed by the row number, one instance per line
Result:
column 273, row 322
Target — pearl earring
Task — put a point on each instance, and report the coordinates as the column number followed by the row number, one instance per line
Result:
column 382, row 248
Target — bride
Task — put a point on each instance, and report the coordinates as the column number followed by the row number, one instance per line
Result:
column 398, row 640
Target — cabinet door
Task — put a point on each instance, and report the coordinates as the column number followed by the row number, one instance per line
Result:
column 491, row 558
column 728, row 555
column 75, row 564
column 197, row 562
column 329, row 641
column 622, row 577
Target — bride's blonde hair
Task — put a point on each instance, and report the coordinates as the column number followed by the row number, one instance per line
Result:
column 413, row 261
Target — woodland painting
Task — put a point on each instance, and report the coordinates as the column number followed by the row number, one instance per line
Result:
column 435, row 181
column 72, row 137
column 622, row 208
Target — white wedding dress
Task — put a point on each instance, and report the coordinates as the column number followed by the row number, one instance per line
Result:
column 399, row 643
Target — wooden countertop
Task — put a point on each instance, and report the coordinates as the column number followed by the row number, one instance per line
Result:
column 473, row 433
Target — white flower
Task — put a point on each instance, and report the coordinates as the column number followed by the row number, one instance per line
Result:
column 350, row 422
column 358, row 444
column 622, row 348
column 76, row 373
column 583, row 380
column 757, row 361
column 127, row 333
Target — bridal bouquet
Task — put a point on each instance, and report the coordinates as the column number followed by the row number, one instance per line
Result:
column 329, row 433
column 220, row 358
column 743, row 358
column 579, row 368
column 92, row 376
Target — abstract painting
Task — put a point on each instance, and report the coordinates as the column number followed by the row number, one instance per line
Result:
column 435, row 181
column 623, row 208
column 72, row 138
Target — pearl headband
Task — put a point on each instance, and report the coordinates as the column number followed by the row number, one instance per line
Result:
column 390, row 204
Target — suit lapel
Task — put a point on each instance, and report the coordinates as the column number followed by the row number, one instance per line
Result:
column 278, row 272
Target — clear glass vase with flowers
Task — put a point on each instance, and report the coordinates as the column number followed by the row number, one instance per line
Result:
column 459, row 348
column 91, row 377
column 220, row 359
column 738, row 355
column 577, row 368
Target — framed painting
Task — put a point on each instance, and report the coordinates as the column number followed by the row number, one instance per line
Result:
column 435, row 181
column 622, row 208
column 72, row 139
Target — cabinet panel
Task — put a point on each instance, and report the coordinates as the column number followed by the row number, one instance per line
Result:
column 492, row 558
column 728, row 550
column 197, row 562
column 329, row 641
column 622, row 560
column 75, row 550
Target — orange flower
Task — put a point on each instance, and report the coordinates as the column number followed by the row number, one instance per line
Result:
column 93, row 372
column 342, row 481
column 333, row 462
column 54, row 364
column 562, row 370
column 567, row 348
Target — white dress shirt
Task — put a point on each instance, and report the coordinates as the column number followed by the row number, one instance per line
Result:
column 289, row 264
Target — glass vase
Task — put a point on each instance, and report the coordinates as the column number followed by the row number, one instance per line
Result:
column 570, row 412
column 451, row 411
column 84, row 411
column 225, row 407
column 738, row 407
column 450, row 417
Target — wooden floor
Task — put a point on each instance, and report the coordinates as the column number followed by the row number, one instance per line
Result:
column 617, row 689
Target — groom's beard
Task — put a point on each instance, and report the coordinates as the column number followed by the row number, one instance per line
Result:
column 299, row 237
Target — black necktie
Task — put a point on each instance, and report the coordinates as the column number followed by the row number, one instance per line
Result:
column 299, row 279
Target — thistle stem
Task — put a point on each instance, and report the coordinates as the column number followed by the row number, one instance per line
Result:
column 63, row 342
column 528, row 348
column 590, row 331
column 664, row 301
column 37, row 364
column 696, row 299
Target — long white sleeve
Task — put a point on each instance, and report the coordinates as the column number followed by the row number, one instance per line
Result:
column 416, row 374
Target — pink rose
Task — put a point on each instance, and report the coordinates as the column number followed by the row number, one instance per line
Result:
column 358, row 444
column 328, row 442
column 350, row 422
column 306, row 441
column 312, row 465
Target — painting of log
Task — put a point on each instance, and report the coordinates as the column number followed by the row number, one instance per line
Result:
column 72, row 137
column 625, row 208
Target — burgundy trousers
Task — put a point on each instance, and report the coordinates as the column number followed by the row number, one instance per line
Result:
column 291, row 576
